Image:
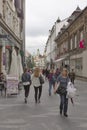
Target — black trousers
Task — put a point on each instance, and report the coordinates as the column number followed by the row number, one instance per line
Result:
column 26, row 89
column 63, row 103
column 38, row 92
column 72, row 80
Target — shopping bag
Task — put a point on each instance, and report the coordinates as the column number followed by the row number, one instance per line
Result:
column 71, row 90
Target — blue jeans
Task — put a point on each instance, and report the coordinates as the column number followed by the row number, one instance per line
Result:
column 50, row 87
column 64, row 103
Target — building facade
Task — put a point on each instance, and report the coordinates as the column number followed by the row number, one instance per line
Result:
column 51, row 46
column 72, row 43
column 11, row 30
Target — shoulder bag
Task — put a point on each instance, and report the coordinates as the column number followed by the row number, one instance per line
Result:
column 41, row 79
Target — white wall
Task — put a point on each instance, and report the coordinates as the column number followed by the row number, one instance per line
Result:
column 51, row 54
column 51, row 46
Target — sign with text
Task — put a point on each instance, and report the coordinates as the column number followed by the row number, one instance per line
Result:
column 12, row 85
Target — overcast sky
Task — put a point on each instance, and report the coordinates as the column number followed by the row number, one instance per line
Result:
column 40, row 17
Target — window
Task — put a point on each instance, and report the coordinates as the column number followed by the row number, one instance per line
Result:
column 81, row 35
column 65, row 47
column 71, row 44
column 75, row 41
column 60, row 49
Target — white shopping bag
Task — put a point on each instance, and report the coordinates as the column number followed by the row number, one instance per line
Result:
column 71, row 90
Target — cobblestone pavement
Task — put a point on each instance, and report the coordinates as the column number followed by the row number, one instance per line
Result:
column 15, row 115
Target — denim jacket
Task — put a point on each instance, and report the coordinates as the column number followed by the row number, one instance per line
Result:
column 26, row 77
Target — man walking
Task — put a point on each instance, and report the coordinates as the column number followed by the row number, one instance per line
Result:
column 72, row 76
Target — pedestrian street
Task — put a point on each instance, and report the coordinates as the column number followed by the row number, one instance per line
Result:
column 16, row 115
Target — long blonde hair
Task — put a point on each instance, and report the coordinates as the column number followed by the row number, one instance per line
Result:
column 66, row 71
column 37, row 72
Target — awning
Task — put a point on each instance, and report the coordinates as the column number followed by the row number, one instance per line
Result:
column 62, row 58
column 59, row 60
column 8, row 42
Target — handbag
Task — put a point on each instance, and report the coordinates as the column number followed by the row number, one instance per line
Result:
column 61, row 90
column 41, row 79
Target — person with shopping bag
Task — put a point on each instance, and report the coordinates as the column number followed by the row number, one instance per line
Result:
column 61, row 89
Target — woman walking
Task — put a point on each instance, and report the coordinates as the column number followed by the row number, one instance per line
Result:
column 26, row 79
column 63, row 80
column 37, row 84
column 52, row 81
